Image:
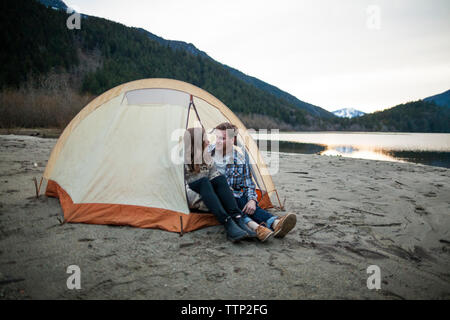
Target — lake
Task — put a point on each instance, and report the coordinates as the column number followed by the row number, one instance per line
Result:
column 426, row 148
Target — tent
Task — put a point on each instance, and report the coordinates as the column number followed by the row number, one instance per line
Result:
column 114, row 162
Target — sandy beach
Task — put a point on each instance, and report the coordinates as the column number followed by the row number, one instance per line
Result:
column 351, row 214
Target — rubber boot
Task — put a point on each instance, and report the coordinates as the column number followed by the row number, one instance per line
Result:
column 234, row 233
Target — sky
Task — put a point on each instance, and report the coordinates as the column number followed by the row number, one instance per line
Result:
column 364, row 54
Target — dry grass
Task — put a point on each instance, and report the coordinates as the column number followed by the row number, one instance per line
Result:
column 47, row 102
column 52, row 100
column 37, row 132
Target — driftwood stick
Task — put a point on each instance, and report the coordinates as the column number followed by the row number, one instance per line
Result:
column 317, row 230
column 375, row 214
column 394, row 224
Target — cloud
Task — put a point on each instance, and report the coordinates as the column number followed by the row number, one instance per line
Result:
column 320, row 51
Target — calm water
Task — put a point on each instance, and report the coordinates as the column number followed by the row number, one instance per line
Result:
column 426, row 148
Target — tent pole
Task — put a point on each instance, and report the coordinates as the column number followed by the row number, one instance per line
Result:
column 181, row 226
column 185, row 191
column 196, row 112
column 37, row 189
column 188, row 112
column 40, row 183
column 279, row 202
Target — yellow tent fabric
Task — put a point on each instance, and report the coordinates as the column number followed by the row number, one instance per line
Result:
column 116, row 161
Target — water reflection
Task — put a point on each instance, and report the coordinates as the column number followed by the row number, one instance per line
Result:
column 294, row 147
column 353, row 152
column 372, row 140
column 385, row 147
column 431, row 158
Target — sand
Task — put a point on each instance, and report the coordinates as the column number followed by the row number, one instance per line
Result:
column 351, row 214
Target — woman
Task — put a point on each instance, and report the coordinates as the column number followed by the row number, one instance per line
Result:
column 202, row 177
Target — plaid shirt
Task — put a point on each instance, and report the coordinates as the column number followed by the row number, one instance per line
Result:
column 238, row 175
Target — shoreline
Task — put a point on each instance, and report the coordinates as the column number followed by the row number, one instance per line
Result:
column 433, row 157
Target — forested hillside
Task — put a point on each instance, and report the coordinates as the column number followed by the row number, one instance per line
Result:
column 49, row 73
column 37, row 40
column 417, row 116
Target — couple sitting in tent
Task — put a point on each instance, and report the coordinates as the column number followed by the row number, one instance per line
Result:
column 219, row 176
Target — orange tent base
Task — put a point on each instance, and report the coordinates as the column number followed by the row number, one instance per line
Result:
column 136, row 216
column 119, row 214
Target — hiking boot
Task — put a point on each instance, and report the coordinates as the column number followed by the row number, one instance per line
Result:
column 251, row 234
column 234, row 232
column 286, row 224
column 263, row 233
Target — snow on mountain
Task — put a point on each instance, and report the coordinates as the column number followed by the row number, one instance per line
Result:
column 348, row 113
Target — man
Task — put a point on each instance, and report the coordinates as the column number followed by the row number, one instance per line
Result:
column 237, row 171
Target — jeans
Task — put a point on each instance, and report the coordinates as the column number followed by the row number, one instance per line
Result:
column 259, row 216
column 218, row 197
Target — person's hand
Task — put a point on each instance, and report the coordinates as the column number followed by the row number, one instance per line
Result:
column 250, row 207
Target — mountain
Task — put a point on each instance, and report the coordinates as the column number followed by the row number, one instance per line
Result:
column 54, row 4
column 103, row 54
column 176, row 45
column 441, row 99
column 415, row 116
column 52, row 72
column 348, row 113
column 190, row 48
column 312, row 109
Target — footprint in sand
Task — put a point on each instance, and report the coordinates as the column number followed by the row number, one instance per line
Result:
column 420, row 210
column 408, row 199
column 366, row 253
column 11, row 191
column 397, row 185
column 333, row 198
